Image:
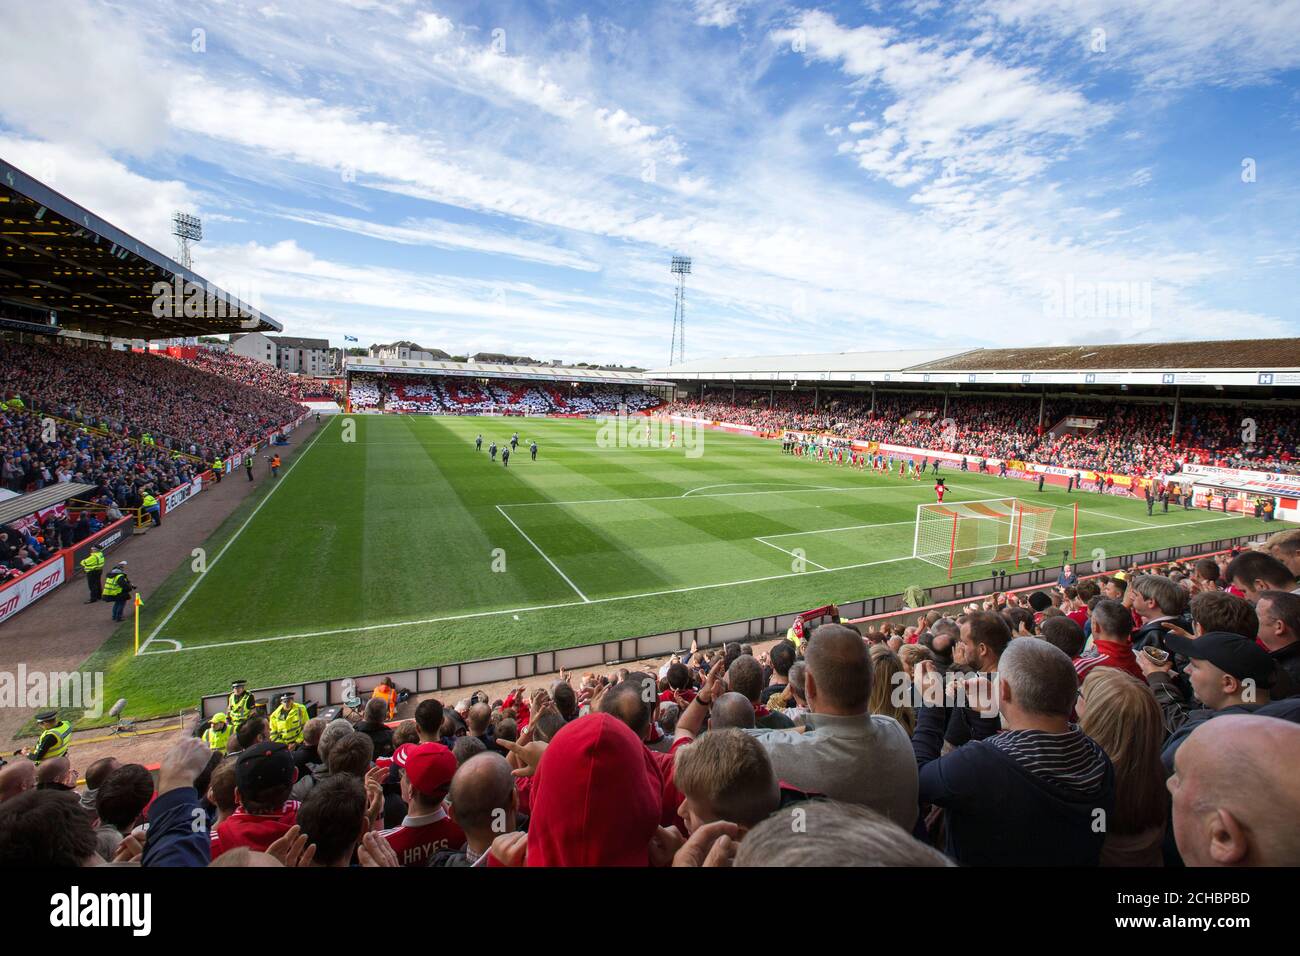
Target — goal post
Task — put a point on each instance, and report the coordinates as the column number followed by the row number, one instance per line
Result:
column 965, row 534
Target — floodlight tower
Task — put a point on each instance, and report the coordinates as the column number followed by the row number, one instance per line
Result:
column 186, row 229
column 681, row 268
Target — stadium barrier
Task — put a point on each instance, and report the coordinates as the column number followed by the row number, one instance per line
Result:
column 22, row 592
column 441, row 677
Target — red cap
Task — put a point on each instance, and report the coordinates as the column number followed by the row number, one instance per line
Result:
column 429, row 767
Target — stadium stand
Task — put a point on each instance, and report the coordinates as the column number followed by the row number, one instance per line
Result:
column 132, row 395
column 254, row 374
column 451, row 395
column 1132, row 438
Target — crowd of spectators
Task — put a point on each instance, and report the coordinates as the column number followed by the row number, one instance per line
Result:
column 36, row 452
column 141, row 397
column 451, row 395
column 1129, row 438
column 259, row 375
column 1139, row 718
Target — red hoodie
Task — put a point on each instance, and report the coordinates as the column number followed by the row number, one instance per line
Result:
column 596, row 797
column 256, row 831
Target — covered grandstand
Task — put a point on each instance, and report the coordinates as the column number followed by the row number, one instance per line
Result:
column 63, row 268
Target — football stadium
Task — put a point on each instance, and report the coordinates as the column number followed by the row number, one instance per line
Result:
column 1023, row 593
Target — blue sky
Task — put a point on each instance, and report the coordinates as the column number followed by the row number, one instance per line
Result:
column 515, row 177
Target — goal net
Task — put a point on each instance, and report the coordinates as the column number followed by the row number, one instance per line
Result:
column 969, row 533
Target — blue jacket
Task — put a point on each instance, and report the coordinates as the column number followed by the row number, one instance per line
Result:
column 997, row 813
column 178, row 831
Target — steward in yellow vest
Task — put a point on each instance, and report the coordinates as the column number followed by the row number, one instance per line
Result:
column 288, row 721
column 53, row 741
column 93, row 565
column 218, row 733
column 218, row 466
column 240, row 704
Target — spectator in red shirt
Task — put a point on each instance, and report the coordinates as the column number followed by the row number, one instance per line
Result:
column 597, row 800
column 1112, row 629
column 264, row 777
column 427, row 772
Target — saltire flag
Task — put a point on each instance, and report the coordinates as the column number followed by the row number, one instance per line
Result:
column 349, row 338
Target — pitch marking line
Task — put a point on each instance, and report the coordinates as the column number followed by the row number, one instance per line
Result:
column 729, row 494
column 279, row 482
column 566, row 604
column 545, row 557
column 787, row 486
column 806, row 560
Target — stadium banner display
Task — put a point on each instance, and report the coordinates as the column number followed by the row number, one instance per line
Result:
column 23, row 592
column 1245, row 485
column 1286, row 484
column 107, row 538
column 178, row 496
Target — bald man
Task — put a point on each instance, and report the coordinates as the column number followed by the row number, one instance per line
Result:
column 17, row 778
column 53, row 774
column 485, row 804
column 1236, row 793
column 732, row 710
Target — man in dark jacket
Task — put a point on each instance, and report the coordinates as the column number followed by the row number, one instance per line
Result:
column 1155, row 600
column 178, row 828
column 1037, row 794
column 1279, row 633
column 375, row 728
column 485, row 804
column 1228, row 673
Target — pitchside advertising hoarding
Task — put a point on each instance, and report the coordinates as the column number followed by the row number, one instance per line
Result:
column 32, row 586
column 179, row 495
column 45, row 578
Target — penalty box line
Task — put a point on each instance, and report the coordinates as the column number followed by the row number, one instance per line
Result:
column 545, row 556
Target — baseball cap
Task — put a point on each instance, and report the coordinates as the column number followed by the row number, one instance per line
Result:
column 263, row 767
column 429, row 767
column 1233, row 654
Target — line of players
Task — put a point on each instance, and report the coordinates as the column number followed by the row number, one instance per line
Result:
column 505, row 451
column 843, row 453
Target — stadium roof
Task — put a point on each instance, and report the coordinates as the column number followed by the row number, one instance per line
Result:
column 542, row 373
column 20, row 506
column 1199, row 356
column 1243, row 362
column 58, row 257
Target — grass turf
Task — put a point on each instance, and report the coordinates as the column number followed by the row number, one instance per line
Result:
column 407, row 548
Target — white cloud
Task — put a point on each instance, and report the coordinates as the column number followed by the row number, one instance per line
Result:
column 432, row 28
column 1169, row 42
column 952, row 112
column 718, row 13
column 74, row 74
column 136, row 204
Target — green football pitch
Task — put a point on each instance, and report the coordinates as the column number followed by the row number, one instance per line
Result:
column 405, row 547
